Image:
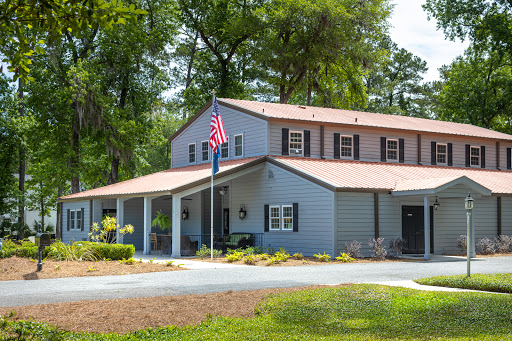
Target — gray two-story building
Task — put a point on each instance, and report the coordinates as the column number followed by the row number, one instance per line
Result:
column 311, row 179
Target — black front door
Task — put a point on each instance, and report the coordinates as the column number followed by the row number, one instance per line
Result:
column 413, row 229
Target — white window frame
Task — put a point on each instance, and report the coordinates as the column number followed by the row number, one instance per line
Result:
column 202, row 151
column 74, row 221
column 388, row 150
column 189, row 153
column 301, row 143
column 471, row 156
column 239, row 145
column 283, row 218
column 439, row 153
column 270, row 218
column 351, row 147
column 224, row 148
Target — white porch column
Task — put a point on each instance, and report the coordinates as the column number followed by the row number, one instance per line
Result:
column 426, row 213
column 147, row 225
column 120, row 218
column 176, row 226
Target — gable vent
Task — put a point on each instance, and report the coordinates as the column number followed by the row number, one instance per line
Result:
column 270, row 174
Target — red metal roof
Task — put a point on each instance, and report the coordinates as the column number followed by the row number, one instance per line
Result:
column 346, row 174
column 336, row 174
column 364, row 119
column 165, row 182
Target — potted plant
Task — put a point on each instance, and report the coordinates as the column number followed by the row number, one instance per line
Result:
column 163, row 221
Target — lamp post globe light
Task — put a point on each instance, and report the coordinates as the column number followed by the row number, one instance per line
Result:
column 469, row 207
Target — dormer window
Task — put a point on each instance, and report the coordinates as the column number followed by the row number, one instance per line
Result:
column 475, row 156
column 392, row 150
column 296, row 142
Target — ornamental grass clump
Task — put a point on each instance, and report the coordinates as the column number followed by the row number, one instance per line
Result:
column 78, row 251
column 503, row 243
column 378, row 250
column 353, row 249
column 486, row 246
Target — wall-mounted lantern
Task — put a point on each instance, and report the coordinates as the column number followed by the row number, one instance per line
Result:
column 436, row 205
column 223, row 190
column 184, row 214
column 242, row 213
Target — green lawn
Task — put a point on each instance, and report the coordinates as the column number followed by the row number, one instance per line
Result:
column 356, row 312
column 486, row 282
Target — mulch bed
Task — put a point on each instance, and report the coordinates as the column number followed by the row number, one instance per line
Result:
column 15, row 268
column 311, row 261
column 124, row 315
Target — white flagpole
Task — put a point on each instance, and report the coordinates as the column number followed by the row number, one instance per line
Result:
column 211, row 196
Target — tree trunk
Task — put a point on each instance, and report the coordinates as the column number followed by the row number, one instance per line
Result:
column 58, row 223
column 114, row 171
column 22, row 165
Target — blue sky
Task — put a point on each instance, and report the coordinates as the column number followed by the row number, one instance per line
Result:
column 411, row 30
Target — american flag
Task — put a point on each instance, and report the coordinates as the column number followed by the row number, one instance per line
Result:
column 217, row 132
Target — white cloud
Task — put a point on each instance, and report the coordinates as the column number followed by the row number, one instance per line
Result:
column 413, row 31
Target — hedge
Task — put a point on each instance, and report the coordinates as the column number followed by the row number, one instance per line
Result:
column 112, row 251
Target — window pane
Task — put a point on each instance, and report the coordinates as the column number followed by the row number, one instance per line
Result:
column 287, row 224
column 224, row 150
column 287, row 211
column 295, row 143
column 441, row 148
column 238, row 145
column 475, row 156
column 238, row 150
column 392, row 150
column 204, row 150
column 238, row 140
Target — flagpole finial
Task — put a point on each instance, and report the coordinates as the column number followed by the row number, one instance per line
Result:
column 213, row 92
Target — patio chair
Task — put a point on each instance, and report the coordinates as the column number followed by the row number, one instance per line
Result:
column 154, row 241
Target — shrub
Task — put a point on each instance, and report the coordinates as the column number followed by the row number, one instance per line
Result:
column 325, row 257
column 250, row 259
column 396, row 247
column 254, row 250
column 298, row 255
column 129, row 261
column 263, row 256
column 205, row 252
column 72, row 252
column 232, row 251
column 235, row 256
column 282, row 255
column 109, row 228
column 378, row 250
column 353, row 249
column 486, row 246
column 111, row 251
column 344, row 258
column 503, row 243
column 462, row 243
column 272, row 260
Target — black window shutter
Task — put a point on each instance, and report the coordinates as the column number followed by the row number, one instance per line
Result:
column 82, row 221
column 509, row 158
column 69, row 218
column 286, row 146
column 336, row 145
column 383, row 157
column 266, row 218
column 401, row 150
column 468, row 156
column 356, row 147
column 482, row 156
column 450, row 155
column 307, row 143
column 295, row 217
column 433, row 152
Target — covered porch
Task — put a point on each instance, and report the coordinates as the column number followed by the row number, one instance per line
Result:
column 433, row 213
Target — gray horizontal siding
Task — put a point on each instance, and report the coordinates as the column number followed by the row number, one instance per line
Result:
column 506, row 216
column 254, row 131
column 134, row 214
column 276, row 136
column 355, row 212
column 316, row 207
column 75, row 235
column 390, row 224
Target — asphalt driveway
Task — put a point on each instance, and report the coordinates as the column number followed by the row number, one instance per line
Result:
column 207, row 280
